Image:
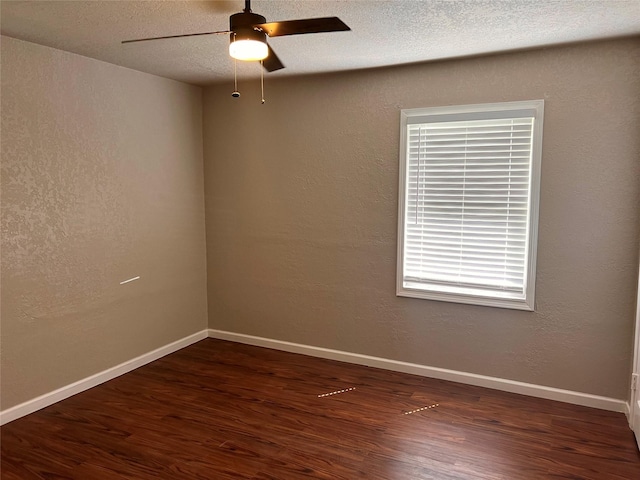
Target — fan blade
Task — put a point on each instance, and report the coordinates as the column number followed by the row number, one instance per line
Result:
column 297, row 27
column 175, row 36
column 272, row 62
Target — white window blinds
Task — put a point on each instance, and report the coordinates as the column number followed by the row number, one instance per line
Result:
column 466, row 203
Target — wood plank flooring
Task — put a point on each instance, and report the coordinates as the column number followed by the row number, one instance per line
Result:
column 221, row 410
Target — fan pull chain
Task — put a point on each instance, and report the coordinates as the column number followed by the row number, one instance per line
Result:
column 235, row 93
column 262, row 80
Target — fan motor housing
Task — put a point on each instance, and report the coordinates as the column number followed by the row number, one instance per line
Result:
column 241, row 26
column 245, row 21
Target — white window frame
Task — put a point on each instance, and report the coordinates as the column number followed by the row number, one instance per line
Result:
column 457, row 294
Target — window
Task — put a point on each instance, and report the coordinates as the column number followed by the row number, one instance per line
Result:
column 468, row 206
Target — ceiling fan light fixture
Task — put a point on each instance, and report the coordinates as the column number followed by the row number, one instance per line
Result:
column 248, row 50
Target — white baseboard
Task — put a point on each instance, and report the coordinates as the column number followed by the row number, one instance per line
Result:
column 67, row 391
column 540, row 391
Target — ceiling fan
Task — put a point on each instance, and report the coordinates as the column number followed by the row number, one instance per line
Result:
column 248, row 33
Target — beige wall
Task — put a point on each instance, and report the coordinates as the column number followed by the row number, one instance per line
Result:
column 101, row 181
column 301, row 202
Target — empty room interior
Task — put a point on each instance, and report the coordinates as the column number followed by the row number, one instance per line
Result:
column 403, row 245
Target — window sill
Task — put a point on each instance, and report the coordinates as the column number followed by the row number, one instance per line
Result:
column 467, row 298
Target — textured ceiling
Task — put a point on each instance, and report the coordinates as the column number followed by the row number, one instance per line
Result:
column 383, row 32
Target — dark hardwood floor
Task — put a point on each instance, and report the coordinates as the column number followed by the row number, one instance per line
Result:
column 221, row 410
